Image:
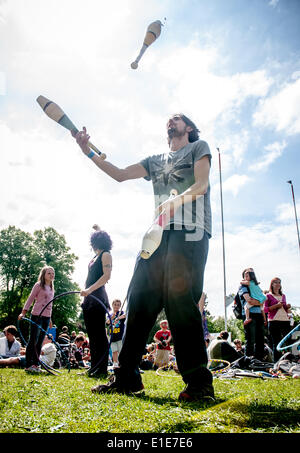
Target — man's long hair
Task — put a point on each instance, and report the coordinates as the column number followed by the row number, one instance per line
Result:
column 194, row 134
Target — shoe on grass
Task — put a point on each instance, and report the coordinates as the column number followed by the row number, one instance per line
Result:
column 117, row 385
column 33, row 369
column 190, row 394
column 98, row 373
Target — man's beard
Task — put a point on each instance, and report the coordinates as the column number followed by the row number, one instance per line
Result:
column 173, row 132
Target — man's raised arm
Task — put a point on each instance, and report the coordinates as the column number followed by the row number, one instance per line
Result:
column 118, row 174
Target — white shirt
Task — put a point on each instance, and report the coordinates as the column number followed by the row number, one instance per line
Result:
column 14, row 351
column 49, row 354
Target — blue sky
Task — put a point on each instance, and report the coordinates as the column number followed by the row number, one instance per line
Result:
column 233, row 66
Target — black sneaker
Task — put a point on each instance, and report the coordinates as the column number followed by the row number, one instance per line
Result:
column 117, row 385
column 99, row 374
column 190, row 394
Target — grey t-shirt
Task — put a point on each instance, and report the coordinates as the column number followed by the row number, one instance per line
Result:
column 175, row 170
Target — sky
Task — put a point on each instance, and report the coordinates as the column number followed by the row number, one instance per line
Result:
column 233, row 67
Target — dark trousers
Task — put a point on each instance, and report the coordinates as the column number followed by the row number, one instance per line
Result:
column 34, row 346
column 278, row 330
column 254, row 335
column 94, row 319
column 172, row 278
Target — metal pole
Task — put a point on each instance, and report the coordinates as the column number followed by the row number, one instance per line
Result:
column 290, row 182
column 224, row 271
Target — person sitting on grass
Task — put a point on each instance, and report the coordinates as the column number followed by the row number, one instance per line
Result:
column 238, row 346
column 48, row 355
column 73, row 336
column 220, row 348
column 63, row 339
column 86, row 343
column 9, row 345
column 48, row 351
column 148, row 358
column 77, row 357
column 65, row 332
column 18, row 361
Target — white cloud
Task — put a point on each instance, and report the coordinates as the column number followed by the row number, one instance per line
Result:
column 271, row 152
column 282, row 110
column 49, row 182
column 211, row 94
column 234, row 183
column 286, row 212
column 295, row 75
column 232, row 148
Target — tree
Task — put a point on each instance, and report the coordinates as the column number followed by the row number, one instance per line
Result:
column 234, row 326
column 156, row 327
column 19, row 261
column 216, row 325
column 296, row 314
column 22, row 255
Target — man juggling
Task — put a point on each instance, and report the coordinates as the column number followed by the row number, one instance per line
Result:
column 172, row 277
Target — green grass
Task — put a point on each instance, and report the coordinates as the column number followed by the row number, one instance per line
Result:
column 65, row 404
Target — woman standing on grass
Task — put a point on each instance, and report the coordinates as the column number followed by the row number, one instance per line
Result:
column 42, row 293
column 278, row 319
column 99, row 272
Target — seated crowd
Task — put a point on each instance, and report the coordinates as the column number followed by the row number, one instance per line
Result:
column 73, row 353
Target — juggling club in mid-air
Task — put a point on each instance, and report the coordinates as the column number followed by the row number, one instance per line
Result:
column 152, row 33
column 58, row 115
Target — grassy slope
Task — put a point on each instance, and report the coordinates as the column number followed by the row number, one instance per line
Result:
column 65, row 404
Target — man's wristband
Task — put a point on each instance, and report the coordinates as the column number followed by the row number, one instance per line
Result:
column 91, row 154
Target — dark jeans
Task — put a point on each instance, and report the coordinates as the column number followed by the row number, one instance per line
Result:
column 172, row 278
column 278, row 330
column 254, row 335
column 33, row 349
column 94, row 319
